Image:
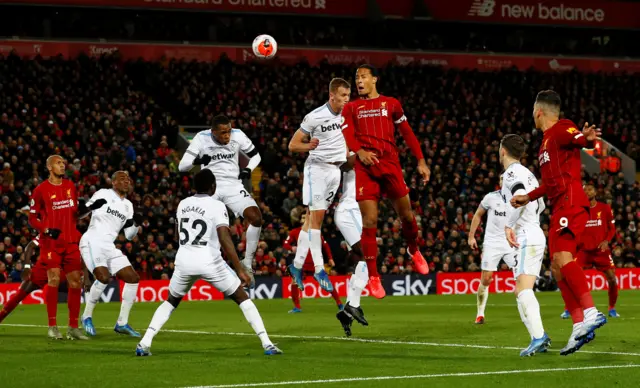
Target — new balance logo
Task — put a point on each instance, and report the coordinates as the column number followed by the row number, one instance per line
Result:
column 482, row 8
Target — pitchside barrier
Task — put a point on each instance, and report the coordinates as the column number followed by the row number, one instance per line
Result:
column 396, row 285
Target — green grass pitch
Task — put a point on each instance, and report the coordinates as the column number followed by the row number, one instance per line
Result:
column 423, row 341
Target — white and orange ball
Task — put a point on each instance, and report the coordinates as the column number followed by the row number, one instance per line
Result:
column 265, row 47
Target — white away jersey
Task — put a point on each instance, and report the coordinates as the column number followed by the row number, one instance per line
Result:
column 496, row 219
column 325, row 125
column 108, row 220
column 518, row 177
column 224, row 158
column 198, row 218
column 348, row 198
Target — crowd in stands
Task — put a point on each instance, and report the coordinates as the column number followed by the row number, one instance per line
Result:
column 106, row 114
column 407, row 34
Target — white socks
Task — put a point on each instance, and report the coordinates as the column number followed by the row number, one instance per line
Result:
column 92, row 299
column 255, row 320
column 482, row 296
column 531, row 310
column 302, row 249
column 128, row 299
column 160, row 317
column 590, row 313
column 316, row 249
column 253, row 238
column 357, row 283
column 523, row 316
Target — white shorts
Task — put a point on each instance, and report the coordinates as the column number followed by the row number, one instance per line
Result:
column 219, row 276
column 321, row 183
column 102, row 254
column 234, row 195
column 528, row 258
column 491, row 257
column 349, row 223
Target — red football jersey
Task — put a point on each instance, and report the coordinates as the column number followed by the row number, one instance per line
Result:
column 560, row 166
column 600, row 227
column 371, row 124
column 55, row 206
column 292, row 238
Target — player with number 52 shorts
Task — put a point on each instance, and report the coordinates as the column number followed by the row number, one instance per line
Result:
column 218, row 150
column 561, row 170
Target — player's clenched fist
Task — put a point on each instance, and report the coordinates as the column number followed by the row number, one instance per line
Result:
column 202, row 160
column 314, row 143
column 367, row 157
column 519, row 200
column 424, row 171
column 473, row 244
column 244, row 278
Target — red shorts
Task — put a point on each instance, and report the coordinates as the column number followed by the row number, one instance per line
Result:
column 64, row 255
column 565, row 229
column 597, row 259
column 384, row 178
column 39, row 275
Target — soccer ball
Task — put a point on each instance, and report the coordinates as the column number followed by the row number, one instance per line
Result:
column 265, row 47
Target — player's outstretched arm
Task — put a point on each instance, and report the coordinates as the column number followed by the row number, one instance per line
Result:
column 226, row 243
column 572, row 138
column 302, row 142
column 475, row 222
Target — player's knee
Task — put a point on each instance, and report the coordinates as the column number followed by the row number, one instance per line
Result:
column 369, row 221
column 132, row 278
column 102, row 277
column 254, row 217
column 174, row 300
column 53, row 280
column 612, row 281
column 486, row 280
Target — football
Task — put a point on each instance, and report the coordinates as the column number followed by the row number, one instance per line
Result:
column 265, row 47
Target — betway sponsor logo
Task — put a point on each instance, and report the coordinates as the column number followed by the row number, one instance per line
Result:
column 116, row 213
column 223, row 156
column 539, row 11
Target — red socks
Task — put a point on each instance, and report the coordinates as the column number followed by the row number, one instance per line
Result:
column 336, row 297
column 52, row 305
column 570, row 302
column 73, row 302
column 370, row 250
column 410, row 234
column 613, row 296
column 295, row 295
column 574, row 276
column 12, row 303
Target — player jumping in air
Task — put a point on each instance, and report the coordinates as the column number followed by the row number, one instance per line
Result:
column 217, row 149
column 112, row 212
column 524, row 233
column 560, row 167
column 204, row 229
column 308, row 267
column 54, row 214
column 495, row 246
column 369, row 130
column 595, row 251
column 320, row 134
